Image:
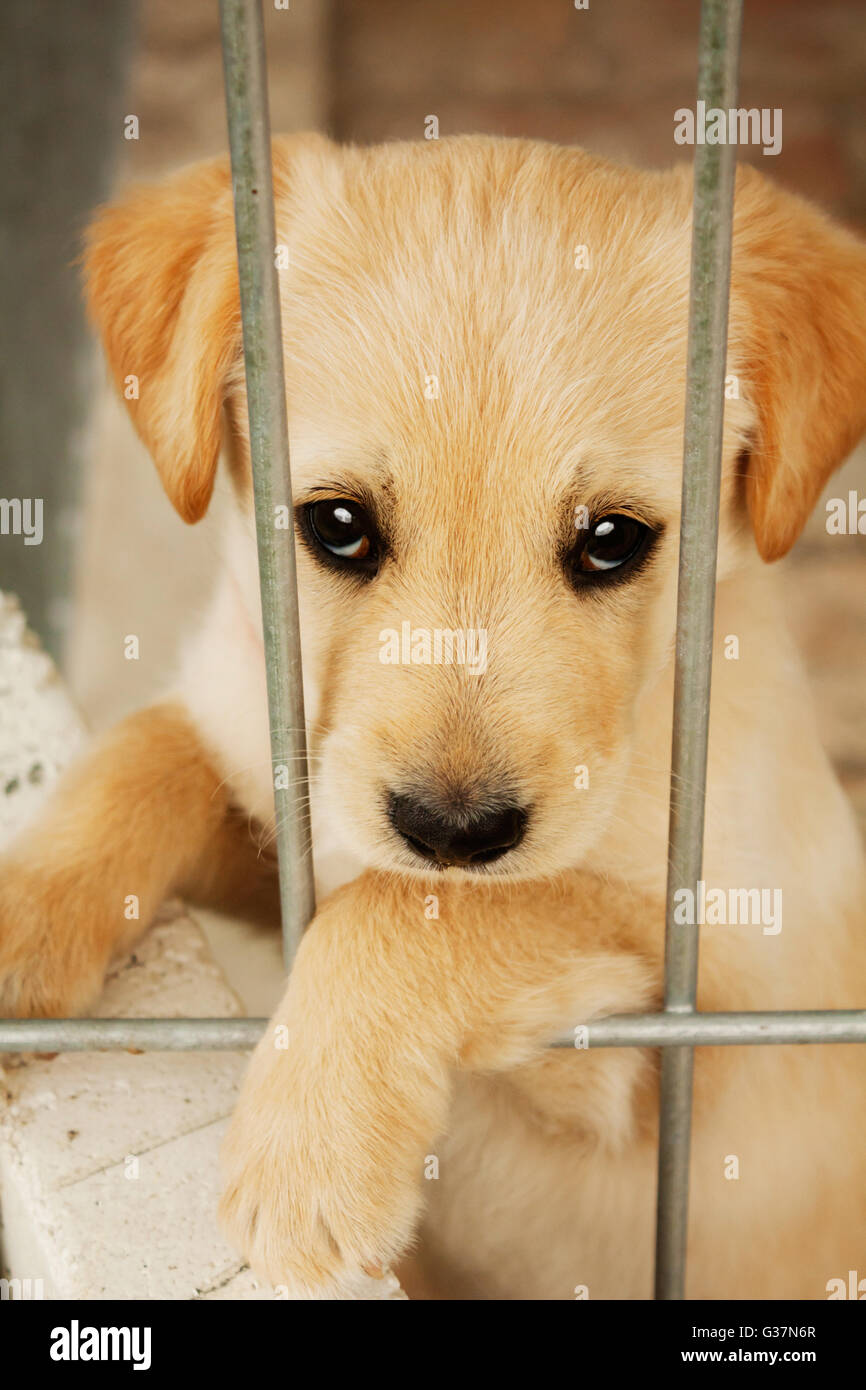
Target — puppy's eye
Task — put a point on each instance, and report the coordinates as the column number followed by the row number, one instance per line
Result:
column 609, row 548
column 344, row 530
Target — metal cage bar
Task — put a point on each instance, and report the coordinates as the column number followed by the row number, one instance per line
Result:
column 679, row 1028
column 718, row 64
column 621, row 1030
column 252, row 185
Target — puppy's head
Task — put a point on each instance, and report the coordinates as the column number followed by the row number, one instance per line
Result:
column 485, row 347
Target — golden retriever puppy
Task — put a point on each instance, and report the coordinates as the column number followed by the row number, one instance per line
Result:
column 485, row 349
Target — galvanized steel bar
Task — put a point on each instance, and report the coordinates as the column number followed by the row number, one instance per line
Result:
column 718, row 61
column 723, row 1029
column 249, row 138
column 625, row 1030
column 132, row 1034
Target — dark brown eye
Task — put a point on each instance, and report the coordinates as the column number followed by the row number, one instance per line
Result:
column 345, row 531
column 609, row 547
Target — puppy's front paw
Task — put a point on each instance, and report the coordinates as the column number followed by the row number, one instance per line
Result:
column 323, row 1167
column 52, row 962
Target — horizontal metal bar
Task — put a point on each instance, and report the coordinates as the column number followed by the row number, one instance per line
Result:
column 622, row 1030
column 250, row 141
column 725, row 1029
column 132, row 1034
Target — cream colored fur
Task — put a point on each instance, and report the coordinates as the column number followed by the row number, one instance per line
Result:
column 410, row 1037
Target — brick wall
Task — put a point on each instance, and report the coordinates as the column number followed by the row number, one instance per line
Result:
column 609, row 77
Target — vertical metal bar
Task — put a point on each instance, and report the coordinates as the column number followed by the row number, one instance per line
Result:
column 718, row 62
column 250, row 141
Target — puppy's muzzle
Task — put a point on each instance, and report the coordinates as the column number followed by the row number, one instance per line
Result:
column 461, row 839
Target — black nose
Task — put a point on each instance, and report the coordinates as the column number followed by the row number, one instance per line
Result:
column 470, row 838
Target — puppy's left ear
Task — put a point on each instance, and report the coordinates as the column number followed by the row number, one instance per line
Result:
column 162, row 288
column 798, row 327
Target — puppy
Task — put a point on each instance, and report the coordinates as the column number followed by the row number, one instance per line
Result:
column 485, row 350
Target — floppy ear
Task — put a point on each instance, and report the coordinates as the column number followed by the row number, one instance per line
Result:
column 798, row 329
column 162, row 289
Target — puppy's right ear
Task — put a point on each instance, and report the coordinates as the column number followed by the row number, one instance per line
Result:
column 798, row 305
column 162, row 289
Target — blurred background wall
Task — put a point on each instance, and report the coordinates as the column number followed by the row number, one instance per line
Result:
column 609, row 77
column 62, row 84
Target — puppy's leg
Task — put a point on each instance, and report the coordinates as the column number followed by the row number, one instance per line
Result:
column 127, row 827
column 351, row 1084
column 236, row 872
